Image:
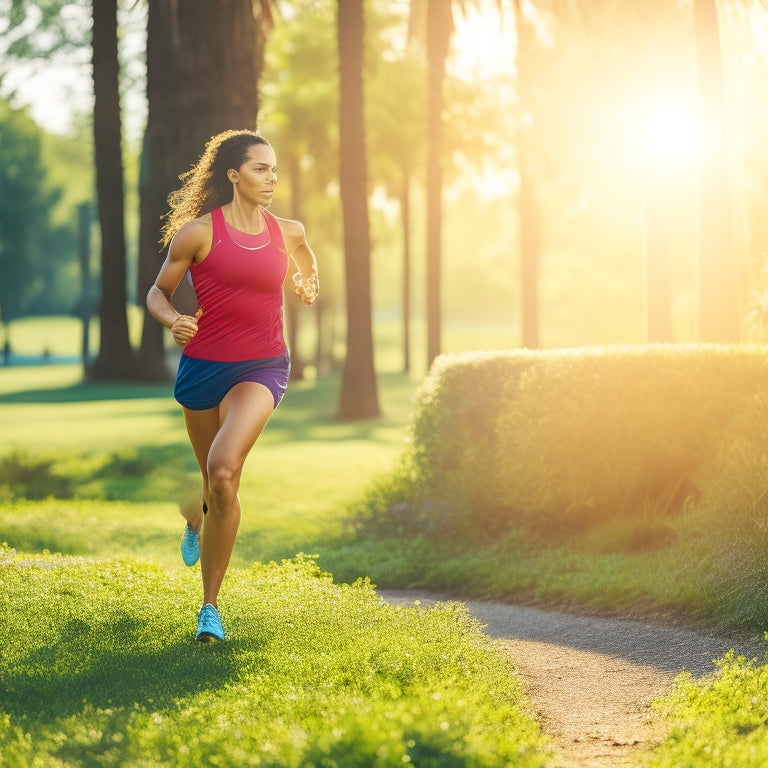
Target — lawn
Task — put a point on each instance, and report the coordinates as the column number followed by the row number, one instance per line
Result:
column 99, row 663
column 99, row 666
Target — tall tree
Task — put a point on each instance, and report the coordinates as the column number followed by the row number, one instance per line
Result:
column 718, row 310
column 438, row 37
column 203, row 66
column 115, row 358
column 527, row 206
column 359, row 395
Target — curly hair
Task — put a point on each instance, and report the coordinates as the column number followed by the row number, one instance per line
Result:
column 206, row 186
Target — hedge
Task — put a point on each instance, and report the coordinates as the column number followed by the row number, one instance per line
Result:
column 559, row 440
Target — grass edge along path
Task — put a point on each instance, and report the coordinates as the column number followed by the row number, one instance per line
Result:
column 718, row 721
column 99, row 666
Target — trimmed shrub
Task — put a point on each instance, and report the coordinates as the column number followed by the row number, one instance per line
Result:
column 559, row 440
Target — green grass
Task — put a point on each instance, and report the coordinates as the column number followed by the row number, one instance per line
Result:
column 126, row 458
column 717, row 722
column 100, row 667
column 99, row 472
column 61, row 336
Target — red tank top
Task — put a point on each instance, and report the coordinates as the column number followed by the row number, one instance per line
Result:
column 239, row 287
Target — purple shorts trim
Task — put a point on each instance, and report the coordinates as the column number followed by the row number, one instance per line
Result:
column 202, row 384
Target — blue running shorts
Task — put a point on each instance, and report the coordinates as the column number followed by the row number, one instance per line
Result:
column 202, row 384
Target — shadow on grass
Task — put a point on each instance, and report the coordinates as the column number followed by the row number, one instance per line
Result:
column 308, row 412
column 107, row 671
column 85, row 391
column 133, row 473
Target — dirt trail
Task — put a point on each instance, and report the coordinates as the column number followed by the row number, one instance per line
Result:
column 591, row 680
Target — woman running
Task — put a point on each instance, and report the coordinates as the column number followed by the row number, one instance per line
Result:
column 234, row 366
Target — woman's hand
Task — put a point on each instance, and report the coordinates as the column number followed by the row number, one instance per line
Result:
column 184, row 328
column 306, row 289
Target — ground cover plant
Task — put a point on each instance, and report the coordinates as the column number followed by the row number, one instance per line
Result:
column 717, row 722
column 100, row 667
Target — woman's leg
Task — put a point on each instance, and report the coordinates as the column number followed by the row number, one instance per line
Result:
column 202, row 427
column 242, row 416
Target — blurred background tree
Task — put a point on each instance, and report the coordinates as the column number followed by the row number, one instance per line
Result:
column 575, row 193
column 359, row 394
column 30, row 280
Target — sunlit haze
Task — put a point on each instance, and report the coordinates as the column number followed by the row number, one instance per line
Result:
column 666, row 132
column 483, row 43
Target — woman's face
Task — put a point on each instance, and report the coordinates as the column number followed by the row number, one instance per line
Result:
column 257, row 176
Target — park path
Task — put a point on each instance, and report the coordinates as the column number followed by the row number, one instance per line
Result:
column 591, row 680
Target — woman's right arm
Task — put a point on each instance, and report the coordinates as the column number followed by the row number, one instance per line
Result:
column 193, row 239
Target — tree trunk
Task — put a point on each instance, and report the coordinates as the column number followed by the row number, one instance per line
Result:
column 718, row 311
column 115, row 358
column 359, row 396
column 439, row 29
column 405, row 215
column 203, row 65
column 656, row 185
column 84, row 217
column 293, row 315
column 527, row 206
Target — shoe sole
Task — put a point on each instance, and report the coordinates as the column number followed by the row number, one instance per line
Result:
column 207, row 637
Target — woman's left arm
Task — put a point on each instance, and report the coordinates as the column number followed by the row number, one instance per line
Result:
column 305, row 282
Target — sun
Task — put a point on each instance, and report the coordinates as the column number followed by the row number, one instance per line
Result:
column 666, row 133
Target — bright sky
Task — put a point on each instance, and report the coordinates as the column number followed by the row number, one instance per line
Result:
column 53, row 94
column 56, row 91
column 484, row 42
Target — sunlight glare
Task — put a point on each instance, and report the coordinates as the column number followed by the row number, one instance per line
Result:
column 483, row 43
column 666, row 133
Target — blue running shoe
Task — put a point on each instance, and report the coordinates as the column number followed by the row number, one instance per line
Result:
column 190, row 548
column 209, row 628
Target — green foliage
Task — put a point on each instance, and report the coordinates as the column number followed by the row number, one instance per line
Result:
column 99, row 666
column 719, row 721
column 32, row 250
column 559, row 441
column 622, row 480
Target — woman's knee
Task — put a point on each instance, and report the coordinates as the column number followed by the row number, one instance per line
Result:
column 223, row 480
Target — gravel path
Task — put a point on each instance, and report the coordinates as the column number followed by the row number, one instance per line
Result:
column 591, row 680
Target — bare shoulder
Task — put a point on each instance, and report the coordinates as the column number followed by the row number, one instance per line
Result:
column 291, row 229
column 193, row 240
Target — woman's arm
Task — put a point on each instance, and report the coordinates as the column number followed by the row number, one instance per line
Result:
column 305, row 281
column 186, row 247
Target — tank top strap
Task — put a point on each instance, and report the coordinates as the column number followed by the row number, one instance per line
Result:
column 218, row 223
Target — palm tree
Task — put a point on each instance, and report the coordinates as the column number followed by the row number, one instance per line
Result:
column 359, row 396
column 115, row 358
column 718, row 311
column 203, row 65
column 438, row 36
column 527, row 206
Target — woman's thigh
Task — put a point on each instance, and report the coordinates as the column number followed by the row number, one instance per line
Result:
column 243, row 414
column 202, row 428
